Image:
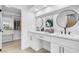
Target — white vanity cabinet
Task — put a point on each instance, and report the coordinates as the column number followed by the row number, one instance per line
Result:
column 55, row 48
column 70, row 50
column 38, row 40
column 35, row 43
column 64, row 45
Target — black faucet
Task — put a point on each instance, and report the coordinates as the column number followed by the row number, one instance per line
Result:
column 65, row 30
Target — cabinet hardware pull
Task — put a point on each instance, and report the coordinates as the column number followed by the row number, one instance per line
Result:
column 63, row 49
column 59, row 49
column 41, row 36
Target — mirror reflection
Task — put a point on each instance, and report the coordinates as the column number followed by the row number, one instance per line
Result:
column 67, row 18
column 49, row 23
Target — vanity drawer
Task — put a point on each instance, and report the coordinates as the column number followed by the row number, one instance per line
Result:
column 66, row 42
column 41, row 36
column 44, row 37
column 33, row 35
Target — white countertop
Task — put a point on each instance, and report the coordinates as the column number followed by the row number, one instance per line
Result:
column 65, row 36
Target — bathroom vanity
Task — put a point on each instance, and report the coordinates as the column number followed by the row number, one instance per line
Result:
column 58, row 43
column 65, row 43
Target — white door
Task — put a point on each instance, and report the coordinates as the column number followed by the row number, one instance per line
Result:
column 0, row 29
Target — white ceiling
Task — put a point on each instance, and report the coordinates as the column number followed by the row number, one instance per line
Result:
column 36, row 8
column 32, row 8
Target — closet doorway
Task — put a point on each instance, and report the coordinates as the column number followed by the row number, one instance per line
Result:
column 11, row 25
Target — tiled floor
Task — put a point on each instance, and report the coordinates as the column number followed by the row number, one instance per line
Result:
column 15, row 47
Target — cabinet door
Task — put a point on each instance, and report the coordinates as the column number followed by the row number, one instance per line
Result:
column 35, row 43
column 9, row 38
column 70, row 50
column 55, row 48
column 17, row 35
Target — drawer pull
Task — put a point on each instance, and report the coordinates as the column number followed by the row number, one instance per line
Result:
column 59, row 49
column 63, row 49
column 41, row 36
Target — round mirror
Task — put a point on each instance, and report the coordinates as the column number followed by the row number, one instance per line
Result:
column 39, row 23
column 67, row 18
